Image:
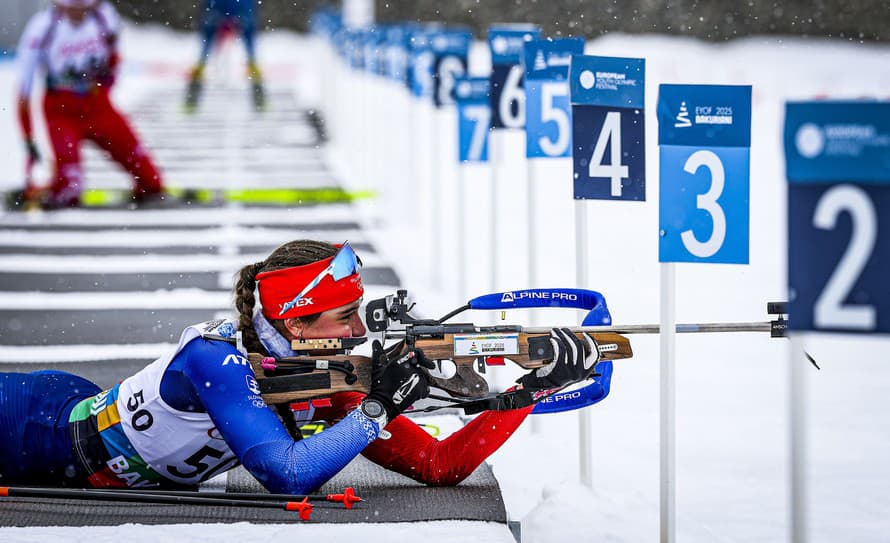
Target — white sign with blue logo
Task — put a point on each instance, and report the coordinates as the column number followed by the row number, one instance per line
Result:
column 451, row 49
column 548, row 110
column 507, row 99
column 608, row 128
column 838, row 168
column 704, row 133
column 474, row 118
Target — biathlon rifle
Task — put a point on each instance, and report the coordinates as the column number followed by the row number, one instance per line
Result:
column 461, row 351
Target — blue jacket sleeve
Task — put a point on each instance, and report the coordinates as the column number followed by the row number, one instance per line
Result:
column 227, row 387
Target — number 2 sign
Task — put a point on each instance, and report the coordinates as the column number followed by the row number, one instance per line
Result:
column 704, row 133
column 838, row 168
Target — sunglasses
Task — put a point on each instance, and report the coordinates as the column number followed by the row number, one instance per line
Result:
column 344, row 264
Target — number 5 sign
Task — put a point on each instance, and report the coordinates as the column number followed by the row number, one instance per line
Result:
column 548, row 112
column 607, row 115
column 838, row 168
column 704, row 133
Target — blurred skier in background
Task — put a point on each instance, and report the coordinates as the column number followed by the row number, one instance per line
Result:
column 218, row 17
column 74, row 42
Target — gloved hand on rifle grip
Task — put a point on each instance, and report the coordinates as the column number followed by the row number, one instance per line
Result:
column 397, row 384
column 573, row 361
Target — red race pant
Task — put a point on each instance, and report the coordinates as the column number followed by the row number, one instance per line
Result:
column 71, row 118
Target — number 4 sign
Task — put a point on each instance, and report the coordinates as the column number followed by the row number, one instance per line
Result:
column 838, row 215
column 704, row 133
column 607, row 115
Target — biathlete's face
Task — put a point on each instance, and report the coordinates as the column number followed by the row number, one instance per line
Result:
column 343, row 321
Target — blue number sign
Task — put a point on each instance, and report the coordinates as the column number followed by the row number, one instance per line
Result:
column 450, row 51
column 608, row 145
column 474, row 118
column 704, row 133
column 395, row 55
column 420, row 64
column 837, row 157
column 373, row 49
column 325, row 22
column 507, row 95
column 548, row 111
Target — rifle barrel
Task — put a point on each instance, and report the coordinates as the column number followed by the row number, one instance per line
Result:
column 656, row 328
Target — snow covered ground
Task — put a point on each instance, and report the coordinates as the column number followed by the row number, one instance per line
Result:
column 732, row 408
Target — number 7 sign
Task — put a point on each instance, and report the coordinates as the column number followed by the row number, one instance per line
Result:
column 473, row 117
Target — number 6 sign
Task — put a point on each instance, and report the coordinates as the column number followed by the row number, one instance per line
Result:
column 704, row 132
column 507, row 95
column 838, row 167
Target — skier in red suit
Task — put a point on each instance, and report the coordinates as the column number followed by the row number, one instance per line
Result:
column 74, row 42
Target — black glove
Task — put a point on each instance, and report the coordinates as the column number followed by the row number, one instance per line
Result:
column 33, row 151
column 573, row 361
column 399, row 383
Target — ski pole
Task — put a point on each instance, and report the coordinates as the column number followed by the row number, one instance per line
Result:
column 347, row 497
column 302, row 508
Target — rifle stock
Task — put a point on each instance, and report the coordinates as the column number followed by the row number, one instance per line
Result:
column 306, row 377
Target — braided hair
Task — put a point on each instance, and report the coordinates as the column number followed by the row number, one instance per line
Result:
column 289, row 255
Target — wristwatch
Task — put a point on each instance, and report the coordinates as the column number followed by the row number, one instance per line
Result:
column 374, row 410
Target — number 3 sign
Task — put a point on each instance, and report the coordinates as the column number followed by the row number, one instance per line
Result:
column 838, row 167
column 704, row 132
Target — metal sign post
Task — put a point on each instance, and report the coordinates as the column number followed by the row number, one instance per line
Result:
column 507, row 99
column 838, row 251
column 607, row 96
column 704, row 136
column 548, row 119
column 473, row 120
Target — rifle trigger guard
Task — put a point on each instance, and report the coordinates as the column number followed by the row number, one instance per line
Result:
column 465, row 383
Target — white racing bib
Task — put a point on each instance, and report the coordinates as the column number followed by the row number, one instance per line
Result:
column 181, row 446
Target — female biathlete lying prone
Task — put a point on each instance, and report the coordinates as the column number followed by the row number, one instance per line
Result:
column 197, row 411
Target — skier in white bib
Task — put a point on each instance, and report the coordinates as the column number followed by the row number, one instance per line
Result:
column 198, row 411
column 74, row 43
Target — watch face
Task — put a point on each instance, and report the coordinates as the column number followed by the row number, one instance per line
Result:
column 372, row 409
